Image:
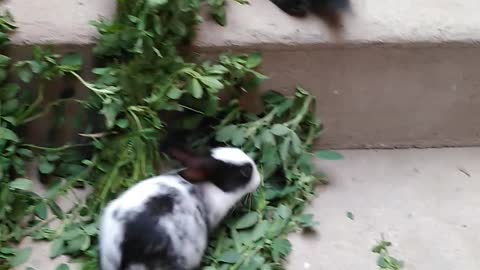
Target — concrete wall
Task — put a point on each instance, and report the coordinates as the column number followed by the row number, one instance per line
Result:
column 387, row 97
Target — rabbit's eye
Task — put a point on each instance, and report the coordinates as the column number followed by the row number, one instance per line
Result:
column 246, row 170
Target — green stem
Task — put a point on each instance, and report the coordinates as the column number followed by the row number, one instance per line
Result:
column 247, row 255
column 61, row 148
column 312, row 134
column 230, row 116
column 261, row 122
column 301, row 114
column 48, row 108
column 35, row 104
column 106, row 188
column 136, row 119
column 90, row 86
column 191, row 109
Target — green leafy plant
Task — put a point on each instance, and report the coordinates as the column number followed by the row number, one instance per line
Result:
column 21, row 209
column 145, row 87
column 385, row 261
column 279, row 139
column 15, row 257
column 15, row 194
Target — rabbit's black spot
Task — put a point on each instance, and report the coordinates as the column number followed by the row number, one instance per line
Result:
column 195, row 191
column 144, row 241
column 230, row 177
column 161, row 205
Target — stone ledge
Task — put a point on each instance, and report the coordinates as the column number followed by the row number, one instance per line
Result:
column 387, row 22
column 261, row 24
column 57, row 22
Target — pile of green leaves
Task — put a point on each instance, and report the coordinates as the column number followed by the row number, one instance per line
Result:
column 21, row 210
column 145, row 88
column 279, row 139
column 385, row 261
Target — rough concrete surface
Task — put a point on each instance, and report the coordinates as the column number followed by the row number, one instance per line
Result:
column 402, row 23
column 57, row 22
column 426, row 202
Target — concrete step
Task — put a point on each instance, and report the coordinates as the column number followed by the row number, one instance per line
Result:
column 424, row 201
column 65, row 26
column 398, row 74
column 57, row 22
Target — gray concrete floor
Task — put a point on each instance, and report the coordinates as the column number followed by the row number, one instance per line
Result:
column 426, row 202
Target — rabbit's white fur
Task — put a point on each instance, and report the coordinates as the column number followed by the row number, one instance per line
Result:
column 180, row 234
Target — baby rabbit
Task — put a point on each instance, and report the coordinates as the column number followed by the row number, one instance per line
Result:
column 163, row 223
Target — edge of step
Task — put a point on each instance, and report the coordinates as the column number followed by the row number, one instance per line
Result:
column 261, row 25
column 57, row 22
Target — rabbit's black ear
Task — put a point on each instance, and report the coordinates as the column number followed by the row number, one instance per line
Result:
column 186, row 158
column 197, row 168
column 194, row 175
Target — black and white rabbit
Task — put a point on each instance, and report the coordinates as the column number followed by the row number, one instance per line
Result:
column 163, row 223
